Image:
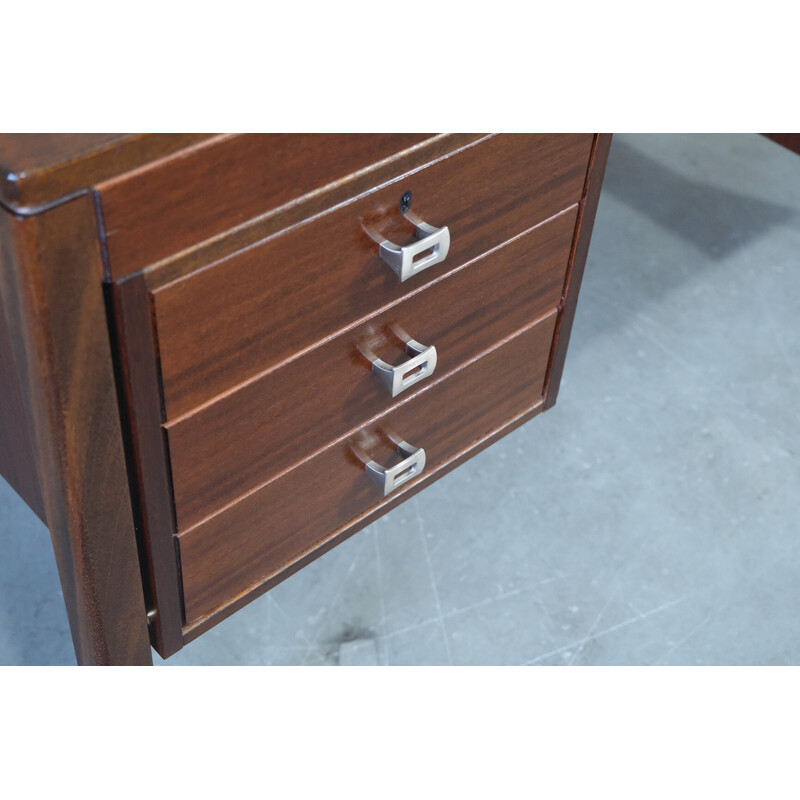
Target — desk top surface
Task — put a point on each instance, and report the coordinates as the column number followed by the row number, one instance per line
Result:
column 39, row 169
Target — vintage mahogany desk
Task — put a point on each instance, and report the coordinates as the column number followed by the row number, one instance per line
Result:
column 220, row 355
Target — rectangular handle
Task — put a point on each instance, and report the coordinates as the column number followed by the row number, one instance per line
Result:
column 398, row 379
column 390, row 479
column 405, row 262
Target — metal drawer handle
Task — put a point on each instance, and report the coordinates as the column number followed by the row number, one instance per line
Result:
column 404, row 261
column 398, row 379
column 390, row 479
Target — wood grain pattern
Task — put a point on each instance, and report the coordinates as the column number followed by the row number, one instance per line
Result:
column 306, row 208
column 224, row 324
column 246, row 437
column 267, row 224
column 165, row 208
column 583, row 236
column 153, row 508
column 17, row 459
column 53, row 302
column 203, row 624
column 269, row 529
column 37, row 169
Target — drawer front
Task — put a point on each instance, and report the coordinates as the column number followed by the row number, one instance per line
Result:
column 267, row 530
column 246, row 437
column 240, row 316
column 152, row 213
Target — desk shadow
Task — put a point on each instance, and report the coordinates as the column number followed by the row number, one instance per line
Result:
column 717, row 221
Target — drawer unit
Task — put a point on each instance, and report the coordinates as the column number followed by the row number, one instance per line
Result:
column 243, row 438
column 233, row 319
column 260, row 376
column 230, row 352
column 266, row 531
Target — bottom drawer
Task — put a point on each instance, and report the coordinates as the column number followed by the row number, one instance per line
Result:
column 258, row 536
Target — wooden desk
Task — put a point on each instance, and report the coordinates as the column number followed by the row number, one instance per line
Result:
column 215, row 368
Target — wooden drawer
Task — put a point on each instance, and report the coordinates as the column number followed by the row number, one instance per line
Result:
column 262, row 534
column 236, row 318
column 246, row 437
column 172, row 204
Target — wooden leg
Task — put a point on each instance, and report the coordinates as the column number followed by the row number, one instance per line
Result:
column 51, row 282
column 580, row 250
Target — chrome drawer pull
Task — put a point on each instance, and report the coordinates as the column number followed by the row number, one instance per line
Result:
column 408, row 468
column 402, row 259
column 398, row 379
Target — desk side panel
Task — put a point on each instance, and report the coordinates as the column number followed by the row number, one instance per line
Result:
column 17, row 462
column 54, row 306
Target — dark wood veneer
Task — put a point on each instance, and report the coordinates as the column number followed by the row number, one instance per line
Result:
column 54, row 306
column 17, row 455
column 191, row 306
column 224, row 324
column 265, row 531
column 246, row 437
column 583, row 235
column 39, row 169
column 149, row 461
column 318, row 202
column 200, row 626
column 164, row 208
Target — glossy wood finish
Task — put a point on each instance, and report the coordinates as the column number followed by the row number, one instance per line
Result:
column 246, row 437
column 277, row 295
column 167, row 207
column 149, row 462
column 39, row 169
column 583, row 236
column 53, row 303
column 223, row 325
column 269, row 529
column 200, row 626
column 306, row 208
column 17, row 456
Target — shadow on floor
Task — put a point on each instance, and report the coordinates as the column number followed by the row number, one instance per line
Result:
column 716, row 221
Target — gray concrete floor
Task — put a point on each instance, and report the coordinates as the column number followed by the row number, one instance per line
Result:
column 650, row 518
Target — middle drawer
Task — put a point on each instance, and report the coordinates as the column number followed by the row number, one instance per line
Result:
column 246, row 437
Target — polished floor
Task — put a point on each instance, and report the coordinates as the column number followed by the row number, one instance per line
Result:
column 651, row 517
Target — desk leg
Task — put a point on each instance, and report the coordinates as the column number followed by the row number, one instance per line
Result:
column 51, row 283
column 580, row 250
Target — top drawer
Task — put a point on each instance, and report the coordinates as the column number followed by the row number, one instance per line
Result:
column 236, row 318
column 156, row 211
